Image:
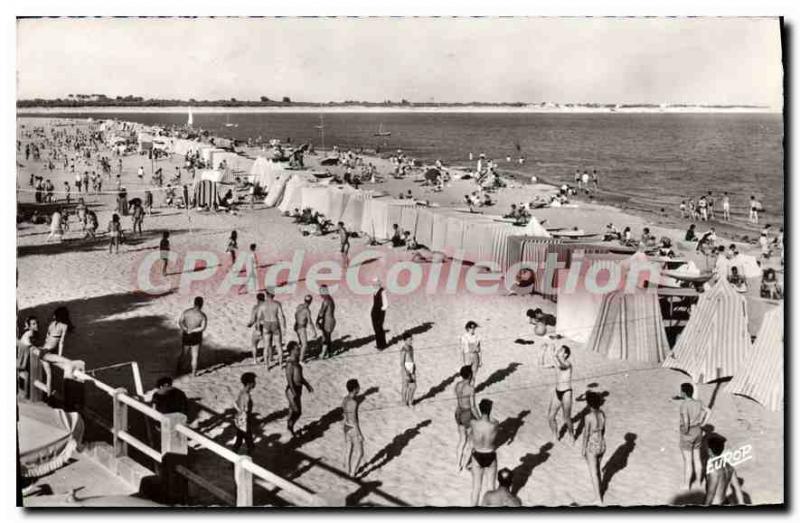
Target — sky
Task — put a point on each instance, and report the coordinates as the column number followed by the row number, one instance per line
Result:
column 732, row 61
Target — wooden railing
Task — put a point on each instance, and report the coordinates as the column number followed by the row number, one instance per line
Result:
column 175, row 438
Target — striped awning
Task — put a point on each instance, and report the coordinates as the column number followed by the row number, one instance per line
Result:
column 715, row 342
column 761, row 376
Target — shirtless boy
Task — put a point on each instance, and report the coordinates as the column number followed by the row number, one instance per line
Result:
column 294, row 386
column 353, row 439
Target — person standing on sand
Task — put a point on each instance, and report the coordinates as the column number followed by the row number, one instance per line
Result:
column 192, row 323
column 726, row 207
column 721, row 477
column 257, row 322
column 408, row 371
column 115, row 232
column 243, row 420
column 302, row 322
column 251, row 269
column 594, row 442
column 232, row 246
column 326, row 321
column 562, row 397
column 484, row 456
column 502, row 496
column 344, row 239
column 378, row 314
column 163, row 247
column 137, row 215
column 148, row 202
column 753, row 210
column 466, row 411
column 470, row 345
column 294, row 386
column 693, row 415
column 353, row 438
column 274, row 325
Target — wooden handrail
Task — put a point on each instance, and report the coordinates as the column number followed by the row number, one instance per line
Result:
column 139, row 445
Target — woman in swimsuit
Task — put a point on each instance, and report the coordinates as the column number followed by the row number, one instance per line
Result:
column 232, row 246
column 562, row 399
column 408, row 371
column 594, row 443
column 115, row 230
column 57, row 331
column 466, row 411
column 471, row 349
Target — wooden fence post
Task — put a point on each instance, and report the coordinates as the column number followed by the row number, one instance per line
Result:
column 174, row 452
column 35, row 374
column 120, row 423
column 244, row 483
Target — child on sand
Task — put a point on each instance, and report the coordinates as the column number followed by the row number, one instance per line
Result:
column 232, row 246
column 115, row 230
column 163, row 247
column 244, row 413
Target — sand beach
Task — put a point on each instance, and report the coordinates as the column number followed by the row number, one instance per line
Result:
column 410, row 453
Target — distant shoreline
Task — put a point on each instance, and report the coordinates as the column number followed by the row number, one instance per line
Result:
column 23, row 111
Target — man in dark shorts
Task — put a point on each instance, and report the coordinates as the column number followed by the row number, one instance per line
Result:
column 693, row 415
column 294, row 385
column 302, row 322
column 502, row 496
column 193, row 323
column 353, row 438
column 562, row 397
column 484, row 455
column 466, row 411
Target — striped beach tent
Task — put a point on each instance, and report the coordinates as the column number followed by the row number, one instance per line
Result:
column 715, row 342
column 629, row 326
column 761, row 376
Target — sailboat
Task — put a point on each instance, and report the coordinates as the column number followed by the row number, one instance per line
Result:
column 381, row 132
column 190, row 121
column 321, row 128
column 228, row 122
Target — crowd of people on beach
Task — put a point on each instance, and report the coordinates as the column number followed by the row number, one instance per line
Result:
column 477, row 430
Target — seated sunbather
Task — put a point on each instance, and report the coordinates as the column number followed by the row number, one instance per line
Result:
column 735, row 279
column 770, row 287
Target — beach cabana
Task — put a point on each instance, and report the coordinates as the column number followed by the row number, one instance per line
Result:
column 47, row 438
column 715, row 342
column 629, row 326
column 276, row 189
column 216, row 176
column 353, row 212
column 206, row 194
column 264, row 172
column 380, row 214
column 761, row 375
column 292, row 192
column 235, row 162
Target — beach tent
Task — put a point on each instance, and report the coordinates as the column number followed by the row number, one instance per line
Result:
column 353, row 212
column 380, row 214
column 534, row 228
column 47, row 438
column 206, row 193
column 145, row 141
column 207, row 151
column 292, row 192
column 181, row 146
column 264, row 172
column 275, row 192
column 761, row 375
column 715, row 342
column 316, row 198
column 577, row 307
column 629, row 326
column 216, row 176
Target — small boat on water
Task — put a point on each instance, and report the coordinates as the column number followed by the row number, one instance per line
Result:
column 381, row 132
column 229, row 124
column 190, row 121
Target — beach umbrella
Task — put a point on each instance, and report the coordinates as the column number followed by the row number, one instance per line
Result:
column 47, row 438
